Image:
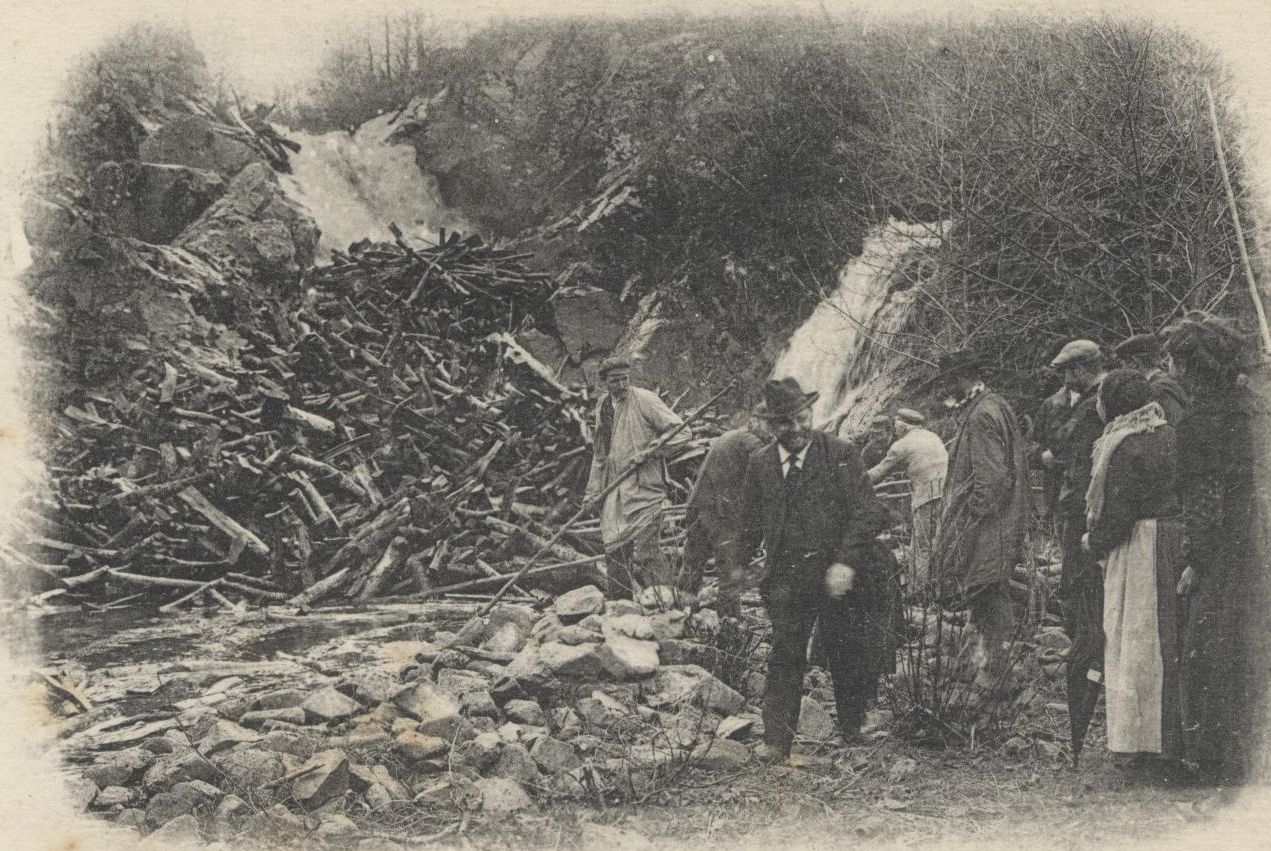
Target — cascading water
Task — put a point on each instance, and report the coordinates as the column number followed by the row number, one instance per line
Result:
column 355, row 185
column 847, row 348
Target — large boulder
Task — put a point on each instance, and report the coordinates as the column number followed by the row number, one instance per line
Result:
column 119, row 768
column 254, row 229
column 153, row 201
column 192, row 141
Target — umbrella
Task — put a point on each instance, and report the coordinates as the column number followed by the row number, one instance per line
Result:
column 1085, row 659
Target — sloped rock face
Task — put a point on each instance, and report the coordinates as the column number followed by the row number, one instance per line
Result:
column 191, row 141
column 153, row 201
column 255, row 229
column 589, row 321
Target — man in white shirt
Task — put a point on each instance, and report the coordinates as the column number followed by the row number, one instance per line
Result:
column 921, row 454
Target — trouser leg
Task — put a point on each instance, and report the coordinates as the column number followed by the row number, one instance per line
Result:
column 699, row 544
column 620, row 584
column 791, row 625
column 649, row 565
column 924, row 527
column 851, row 670
column 994, row 620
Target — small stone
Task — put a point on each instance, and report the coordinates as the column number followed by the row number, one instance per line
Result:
column 901, row 770
column 664, row 598
column 690, row 684
column 623, row 607
column 328, row 705
column 436, row 709
column 119, row 768
column 478, row 704
column 115, row 796
column 632, row 626
column 720, row 755
column 481, row 753
column 573, row 606
column 516, row 764
column 704, row 622
column 500, row 796
column 336, row 825
column 82, row 792
column 290, row 715
column 631, row 658
column 132, row 817
column 230, row 812
column 525, row 712
column 178, row 832
column 166, row 806
column 288, row 742
column 668, row 625
column 735, row 726
column 326, row 777
column 563, row 718
column 815, row 721
column 281, row 699
column 414, row 745
column 250, row 768
column 554, row 756
column 507, row 639
column 449, row 790
column 459, row 683
column 225, row 734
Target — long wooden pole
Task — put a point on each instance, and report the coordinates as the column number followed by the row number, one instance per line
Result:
column 659, row 442
column 1235, row 219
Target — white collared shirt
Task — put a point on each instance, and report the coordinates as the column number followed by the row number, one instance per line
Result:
column 785, row 455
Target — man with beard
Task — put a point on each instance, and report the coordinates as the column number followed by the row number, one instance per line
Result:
column 806, row 497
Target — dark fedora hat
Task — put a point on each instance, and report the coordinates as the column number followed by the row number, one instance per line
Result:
column 783, row 397
column 1140, row 345
column 963, row 362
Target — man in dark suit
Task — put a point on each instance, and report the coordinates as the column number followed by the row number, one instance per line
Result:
column 806, row 497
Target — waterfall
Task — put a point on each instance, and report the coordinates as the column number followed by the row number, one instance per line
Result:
column 847, row 348
column 354, row 185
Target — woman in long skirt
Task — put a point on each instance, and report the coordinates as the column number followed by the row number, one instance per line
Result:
column 1222, row 688
column 1136, row 533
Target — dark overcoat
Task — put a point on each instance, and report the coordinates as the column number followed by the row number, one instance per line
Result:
column 716, row 496
column 981, row 533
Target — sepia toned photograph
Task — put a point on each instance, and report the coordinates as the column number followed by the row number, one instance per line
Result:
column 592, row 425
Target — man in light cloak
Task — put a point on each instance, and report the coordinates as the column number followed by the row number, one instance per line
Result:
column 627, row 422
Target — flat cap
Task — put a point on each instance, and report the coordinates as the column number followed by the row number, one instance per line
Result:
column 910, row 416
column 1140, row 345
column 1078, row 351
column 615, row 363
column 880, row 420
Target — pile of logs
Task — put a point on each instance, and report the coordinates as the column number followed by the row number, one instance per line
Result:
column 378, row 432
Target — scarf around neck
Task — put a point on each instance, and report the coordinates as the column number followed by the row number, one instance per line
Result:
column 1148, row 418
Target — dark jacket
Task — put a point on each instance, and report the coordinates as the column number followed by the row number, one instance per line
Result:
column 1140, row 484
column 1087, row 427
column 986, row 502
column 828, row 516
column 716, row 496
column 1051, row 430
column 1170, row 395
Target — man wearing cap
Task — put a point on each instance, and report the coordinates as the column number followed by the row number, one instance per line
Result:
column 1080, row 363
column 985, row 509
column 921, row 454
column 714, row 509
column 1054, row 427
column 806, row 497
column 1143, row 353
column 628, row 421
